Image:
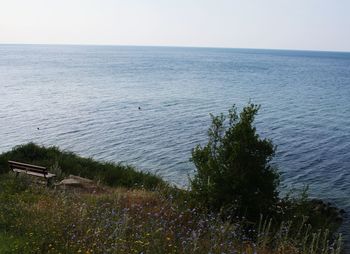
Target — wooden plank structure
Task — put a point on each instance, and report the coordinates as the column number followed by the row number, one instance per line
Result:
column 33, row 170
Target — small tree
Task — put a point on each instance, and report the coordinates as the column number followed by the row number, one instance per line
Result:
column 233, row 168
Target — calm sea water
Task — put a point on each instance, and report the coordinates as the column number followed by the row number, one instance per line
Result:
column 86, row 99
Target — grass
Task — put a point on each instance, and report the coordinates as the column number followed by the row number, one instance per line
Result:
column 36, row 219
column 138, row 213
column 65, row 163
column 124, row 221
column 5, row 243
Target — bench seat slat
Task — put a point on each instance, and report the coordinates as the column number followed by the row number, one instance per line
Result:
column 20, row 164
column 30, row 169
column 48, row 175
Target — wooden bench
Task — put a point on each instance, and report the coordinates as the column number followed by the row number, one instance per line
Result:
column 33, row 170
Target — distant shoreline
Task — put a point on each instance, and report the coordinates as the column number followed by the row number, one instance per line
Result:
column 180, row 47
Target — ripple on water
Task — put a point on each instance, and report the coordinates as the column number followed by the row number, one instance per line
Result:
column 86, row 99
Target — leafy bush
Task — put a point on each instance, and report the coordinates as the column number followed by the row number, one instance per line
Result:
column 233, row 168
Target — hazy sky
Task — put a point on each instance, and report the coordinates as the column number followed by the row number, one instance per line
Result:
column 288, row 24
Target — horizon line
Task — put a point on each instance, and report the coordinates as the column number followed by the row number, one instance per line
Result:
column 173, row 46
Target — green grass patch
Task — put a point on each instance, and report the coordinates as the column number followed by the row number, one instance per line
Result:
column 143, row 214
column 5, row 243
column 37, row 219
column 64, row 163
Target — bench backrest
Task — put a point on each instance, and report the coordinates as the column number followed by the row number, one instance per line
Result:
column 27, row 167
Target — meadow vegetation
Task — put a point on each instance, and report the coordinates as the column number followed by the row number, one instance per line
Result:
column 64, row 163
column 35, row 219
column 233, row 205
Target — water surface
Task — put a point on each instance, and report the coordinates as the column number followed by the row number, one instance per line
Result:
column 86, row 99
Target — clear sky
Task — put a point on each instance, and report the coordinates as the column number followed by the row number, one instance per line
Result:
column 282, row 24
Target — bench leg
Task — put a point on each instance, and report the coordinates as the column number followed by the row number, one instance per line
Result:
column 17, row 173
column 49, row 182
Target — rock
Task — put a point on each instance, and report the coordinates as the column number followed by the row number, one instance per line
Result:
column 80, row 179
column 71, row 182
column 80, row 184
column 327, row 209
column 338, row 219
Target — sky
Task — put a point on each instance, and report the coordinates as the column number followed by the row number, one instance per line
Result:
column 271, row 24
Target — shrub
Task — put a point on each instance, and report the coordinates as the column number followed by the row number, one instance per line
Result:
column 233, row 168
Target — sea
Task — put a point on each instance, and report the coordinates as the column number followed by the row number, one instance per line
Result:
column 150, row 106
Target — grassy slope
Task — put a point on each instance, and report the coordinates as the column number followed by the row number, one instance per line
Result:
column 124, row 220
column 120, row 221
column 42, row 220
column 54, row 159
column 5, row 243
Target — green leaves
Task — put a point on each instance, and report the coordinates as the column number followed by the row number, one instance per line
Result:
column 233, row 167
